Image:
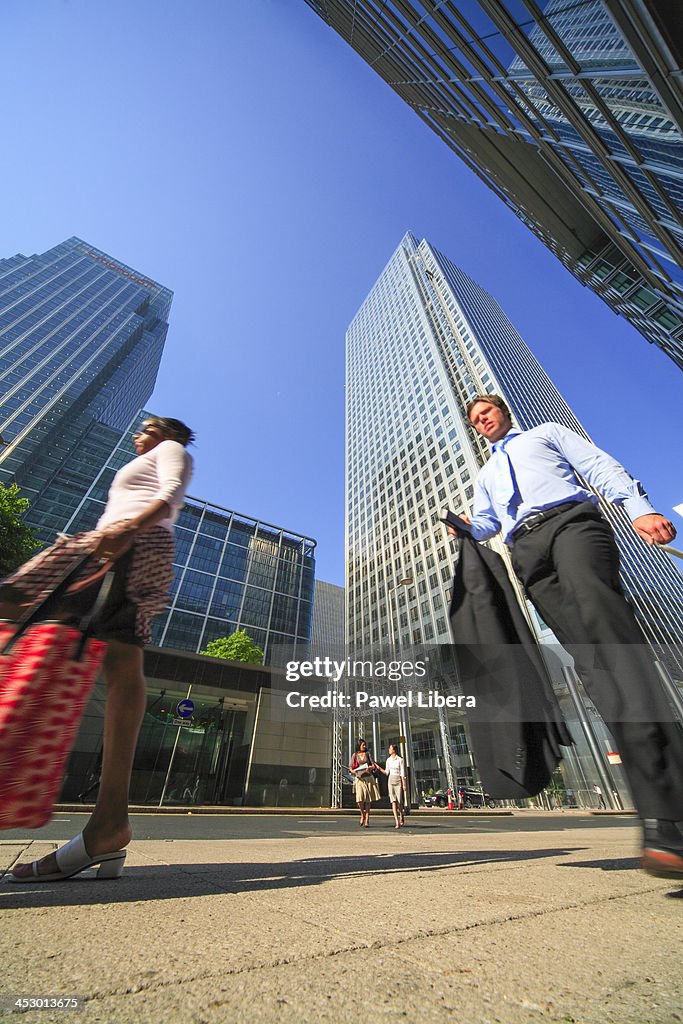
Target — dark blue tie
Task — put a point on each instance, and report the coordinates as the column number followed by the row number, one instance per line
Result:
column 506, row 482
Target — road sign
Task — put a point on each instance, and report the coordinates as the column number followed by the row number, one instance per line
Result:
column 185, row 708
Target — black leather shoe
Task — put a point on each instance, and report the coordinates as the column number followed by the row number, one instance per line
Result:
column 662, row 849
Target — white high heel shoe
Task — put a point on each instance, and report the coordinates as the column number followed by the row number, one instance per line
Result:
column 74, row 858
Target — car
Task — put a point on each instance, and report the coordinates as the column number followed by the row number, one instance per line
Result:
column 437, row 799
column 475, row 798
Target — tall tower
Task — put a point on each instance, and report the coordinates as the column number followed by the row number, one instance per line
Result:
column 426, row 339
column 81, row 336
column 572, row 113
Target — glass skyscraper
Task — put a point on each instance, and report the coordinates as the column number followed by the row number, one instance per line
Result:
column 639, row 120
column 81, row 336
column 572, row 113
column 230, row 571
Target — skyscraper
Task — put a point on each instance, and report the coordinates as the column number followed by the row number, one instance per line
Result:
column 81, row 336
column 572, row 113
column 426, row 339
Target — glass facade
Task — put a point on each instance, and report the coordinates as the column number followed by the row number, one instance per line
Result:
column 427, row 339
column 571, row 112
column 231, row 571
column 81, row 336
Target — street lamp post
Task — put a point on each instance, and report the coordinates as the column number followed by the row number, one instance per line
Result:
column 403, row 730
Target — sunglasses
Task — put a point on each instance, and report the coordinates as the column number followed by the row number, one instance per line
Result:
column 146, row 430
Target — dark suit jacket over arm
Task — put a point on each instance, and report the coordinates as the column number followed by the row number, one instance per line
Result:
column 517, row 727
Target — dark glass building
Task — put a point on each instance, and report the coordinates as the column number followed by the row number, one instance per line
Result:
column 572, row 113
column 81, row 336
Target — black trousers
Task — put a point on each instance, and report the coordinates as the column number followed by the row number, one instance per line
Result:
column 569, row 567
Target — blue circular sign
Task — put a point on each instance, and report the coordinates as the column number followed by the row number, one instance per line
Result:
column 185, row 708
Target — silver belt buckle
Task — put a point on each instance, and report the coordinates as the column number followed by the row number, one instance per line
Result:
column 532, row 522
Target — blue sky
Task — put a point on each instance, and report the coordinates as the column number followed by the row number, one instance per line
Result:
column 241, row 154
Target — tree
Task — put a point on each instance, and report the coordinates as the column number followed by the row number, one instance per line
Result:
column 237, row 647
column 17, row 540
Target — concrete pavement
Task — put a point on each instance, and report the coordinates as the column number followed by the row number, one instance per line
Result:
column 471, row 927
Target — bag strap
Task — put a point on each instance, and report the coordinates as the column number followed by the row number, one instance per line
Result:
column 85, row 625
column 34, row 613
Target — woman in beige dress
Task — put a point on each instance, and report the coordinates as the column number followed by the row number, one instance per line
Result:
column 365, row 784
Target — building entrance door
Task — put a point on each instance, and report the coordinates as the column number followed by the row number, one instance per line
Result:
column 190, row 762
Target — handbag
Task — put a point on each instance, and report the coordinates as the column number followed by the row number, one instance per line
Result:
column 47, row 671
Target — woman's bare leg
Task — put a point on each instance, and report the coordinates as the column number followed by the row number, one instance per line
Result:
column 109, row 828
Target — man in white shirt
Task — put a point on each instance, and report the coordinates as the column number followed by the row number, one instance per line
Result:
column 565, row 555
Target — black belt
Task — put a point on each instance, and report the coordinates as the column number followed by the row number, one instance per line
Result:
column 533, row 522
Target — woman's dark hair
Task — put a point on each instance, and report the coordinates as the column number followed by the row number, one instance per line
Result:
column 358, row 745
column 176, row 430
column 395, row 749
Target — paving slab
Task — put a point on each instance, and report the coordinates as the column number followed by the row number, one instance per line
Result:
column 557, row 925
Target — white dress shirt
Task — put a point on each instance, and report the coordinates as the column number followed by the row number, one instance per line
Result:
column 545, row 461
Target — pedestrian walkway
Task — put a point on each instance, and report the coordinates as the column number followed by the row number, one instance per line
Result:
column 470, row 927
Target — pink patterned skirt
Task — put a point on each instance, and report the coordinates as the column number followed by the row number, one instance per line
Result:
column 142, row 578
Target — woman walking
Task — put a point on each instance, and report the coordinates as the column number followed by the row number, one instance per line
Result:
column 135, row 532
column 365, row 783
column 395, row 770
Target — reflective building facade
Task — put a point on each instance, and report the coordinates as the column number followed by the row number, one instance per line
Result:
column 427, row 339
column 572, row 113
column 81, row 336
column 424, row 342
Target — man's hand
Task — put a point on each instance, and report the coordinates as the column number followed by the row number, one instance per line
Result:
column 654, row 529
column 452, row 532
